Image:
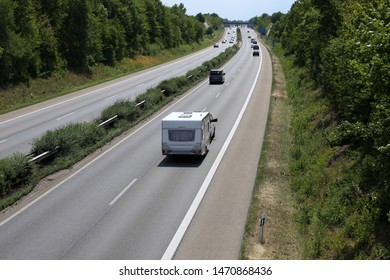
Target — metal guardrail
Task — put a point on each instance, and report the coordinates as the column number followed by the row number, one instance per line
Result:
column 114, row 118
column 56, row 149
column 140, row 104
column 110, row 120
column 45, row 155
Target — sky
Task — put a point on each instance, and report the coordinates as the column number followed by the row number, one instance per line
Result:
column 233, row 9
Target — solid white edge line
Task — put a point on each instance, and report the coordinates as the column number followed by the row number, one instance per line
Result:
column 122, row 192
column 174, row 244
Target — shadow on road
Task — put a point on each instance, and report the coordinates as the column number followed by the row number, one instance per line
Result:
column 181, row 161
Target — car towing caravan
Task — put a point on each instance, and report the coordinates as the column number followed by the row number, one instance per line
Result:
column 187, row 133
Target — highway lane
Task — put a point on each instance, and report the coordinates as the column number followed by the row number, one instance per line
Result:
column 129, row 202
column 217, row 229
column 19, row 128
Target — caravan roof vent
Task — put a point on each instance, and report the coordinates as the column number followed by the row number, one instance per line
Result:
column 186, row 115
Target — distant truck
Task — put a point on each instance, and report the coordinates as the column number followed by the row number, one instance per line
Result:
column 187, row 133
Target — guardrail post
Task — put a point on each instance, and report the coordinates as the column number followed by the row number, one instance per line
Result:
column 261, row 227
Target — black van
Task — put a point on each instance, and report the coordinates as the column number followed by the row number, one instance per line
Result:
column 217, row 76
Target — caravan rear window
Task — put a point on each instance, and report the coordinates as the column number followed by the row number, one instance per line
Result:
column 181, row 135
column 216, row 72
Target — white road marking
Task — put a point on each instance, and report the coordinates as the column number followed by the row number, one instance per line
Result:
column 219, row 93
column 140, row 85
column 122, row 192
column 2, row 141
column 65, row 116
column 111, row 97
column 175, row 242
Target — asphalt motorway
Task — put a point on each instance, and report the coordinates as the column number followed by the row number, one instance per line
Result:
column 217, row 228
column 19, row 128
column 130, row 202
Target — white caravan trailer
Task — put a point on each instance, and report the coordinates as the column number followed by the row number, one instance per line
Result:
column 187, row 133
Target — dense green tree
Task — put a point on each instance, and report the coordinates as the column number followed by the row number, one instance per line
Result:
column 276, row 17
column 74, row 34
column 344, row 47
column 39, row 36
column 7, row 26
column 27, row 28
column 200, row 17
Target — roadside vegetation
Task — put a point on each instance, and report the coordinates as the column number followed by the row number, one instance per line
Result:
column 40, row 37
column 335, row 56
column 50, row 48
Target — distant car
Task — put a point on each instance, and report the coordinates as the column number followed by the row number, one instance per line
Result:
column 255, row 47
column 216, row 45
column 256, row 53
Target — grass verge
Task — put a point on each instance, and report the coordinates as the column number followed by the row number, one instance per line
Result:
column 272, row 193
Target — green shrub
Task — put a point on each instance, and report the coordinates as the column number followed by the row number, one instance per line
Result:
column 4, row 184
column 124, row 109
column 153, row 50
column 181, row 82
column 208, row 65
column 68, row 139
column 152, row 97
column 15, row 171
column 169, row 87
column 197, row 74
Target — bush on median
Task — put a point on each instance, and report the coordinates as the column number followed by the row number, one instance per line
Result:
column 15, row 171
column 69, row 139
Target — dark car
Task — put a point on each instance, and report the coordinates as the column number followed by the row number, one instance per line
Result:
column 216, row 76
column 256, row 53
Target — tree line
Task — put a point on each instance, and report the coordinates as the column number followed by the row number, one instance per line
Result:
column 38, row 37
column 345, row 48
